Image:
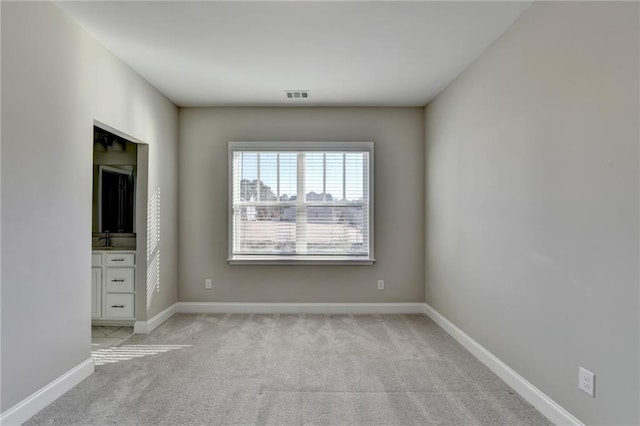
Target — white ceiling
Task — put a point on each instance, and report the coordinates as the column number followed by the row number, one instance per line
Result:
column 373, row 53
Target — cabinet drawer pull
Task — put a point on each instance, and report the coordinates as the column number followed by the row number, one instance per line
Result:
column 117, row 306
column 119, row 259
column 117, row 280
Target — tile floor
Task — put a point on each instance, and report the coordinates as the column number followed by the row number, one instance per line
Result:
column 103, row 336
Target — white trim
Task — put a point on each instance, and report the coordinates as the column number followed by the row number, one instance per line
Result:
column 346, row 145
column 29, row 407
column 140, row 327
column 548, row 407
column 298, row 308
column 146, row 327
column 300, row 260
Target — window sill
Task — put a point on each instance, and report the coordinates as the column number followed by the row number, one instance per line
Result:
column 299, row 260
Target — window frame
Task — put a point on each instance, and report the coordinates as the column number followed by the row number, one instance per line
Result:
column 298, row 146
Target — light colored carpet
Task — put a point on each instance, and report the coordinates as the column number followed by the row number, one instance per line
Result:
column 291, row 370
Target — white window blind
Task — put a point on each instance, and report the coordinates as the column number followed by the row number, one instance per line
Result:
column 300, row 202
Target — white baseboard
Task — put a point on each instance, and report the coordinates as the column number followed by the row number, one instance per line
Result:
column 534, row 396
column 146, row 327
column 299, row 308
column 24, row 410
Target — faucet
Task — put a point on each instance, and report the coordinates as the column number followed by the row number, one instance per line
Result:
column 106, row 238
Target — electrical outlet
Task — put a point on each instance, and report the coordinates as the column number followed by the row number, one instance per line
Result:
column 380, row 284
column 587, row 381
column 208, row 283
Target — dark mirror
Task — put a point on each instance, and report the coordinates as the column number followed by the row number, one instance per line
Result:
column 117, row 200
column 114, row 183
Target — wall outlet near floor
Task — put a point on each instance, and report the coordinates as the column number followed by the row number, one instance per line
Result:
column 587, row 381
column 208, row 283
column 380, row 284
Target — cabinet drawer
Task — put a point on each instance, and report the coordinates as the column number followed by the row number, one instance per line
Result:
column 119, row 306
column 120, row 280
column 120, row 259
column 96, row 259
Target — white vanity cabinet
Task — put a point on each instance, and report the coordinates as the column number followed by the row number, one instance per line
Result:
column 96, row 285
column 113, row 285
column 96, row 292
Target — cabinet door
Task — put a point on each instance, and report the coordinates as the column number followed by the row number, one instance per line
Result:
column 96, row 292
column 96, row 259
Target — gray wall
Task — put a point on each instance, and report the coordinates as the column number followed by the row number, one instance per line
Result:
column 532, row 203
column 399, row 205
column 56, row 81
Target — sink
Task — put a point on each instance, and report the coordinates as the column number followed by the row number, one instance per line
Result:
column 117, row 241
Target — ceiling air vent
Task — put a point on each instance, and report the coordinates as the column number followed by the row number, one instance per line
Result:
column 297, row 94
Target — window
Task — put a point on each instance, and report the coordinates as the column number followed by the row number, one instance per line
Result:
column 301, row 202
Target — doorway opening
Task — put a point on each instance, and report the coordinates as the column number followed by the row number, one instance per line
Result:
column 119, row 237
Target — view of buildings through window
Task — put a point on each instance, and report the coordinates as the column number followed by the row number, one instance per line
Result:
column 300, row 202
